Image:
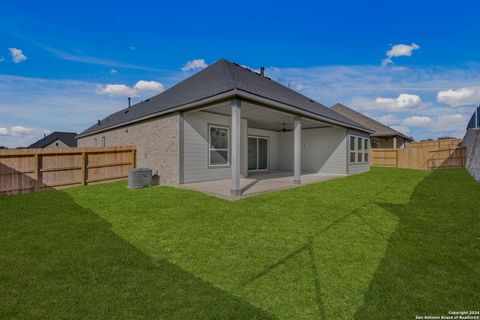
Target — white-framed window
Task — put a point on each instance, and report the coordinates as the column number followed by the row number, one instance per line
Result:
column 218, row 146
column 353, row 156
column 96, row 143
column 359, row 149
column 366, row 146
column 375, row 144
column 103, row 141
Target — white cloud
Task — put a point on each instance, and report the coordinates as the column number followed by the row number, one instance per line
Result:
column 299, row 87
column 132, row 48
column 460, row 97
column 113, row 71
column 196, row 64
column 17, row 55
column 399, row 50
column 149, row 86
column 403, row 102
column 116, row 90
column 402, row 129
column 2, row 59
column 141, row 86
column 417, row 121
column 451, row 122
column 20, row 131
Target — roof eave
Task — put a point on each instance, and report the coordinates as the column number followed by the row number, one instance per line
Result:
column 230, row 94
column 191, row 105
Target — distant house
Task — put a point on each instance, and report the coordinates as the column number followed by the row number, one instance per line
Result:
column 383, row 136
column 57, row 139
column 227, row 121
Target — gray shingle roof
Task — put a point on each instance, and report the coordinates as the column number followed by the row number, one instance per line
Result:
column 66, row 137
column 380, row 129
column 221, row 77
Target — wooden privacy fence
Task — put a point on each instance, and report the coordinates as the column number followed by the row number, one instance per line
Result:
column 28, row 170
column 423, row 155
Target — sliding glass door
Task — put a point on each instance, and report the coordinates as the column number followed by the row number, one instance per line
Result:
column 257, row 154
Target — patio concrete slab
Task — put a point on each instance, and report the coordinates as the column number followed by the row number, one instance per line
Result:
column 257, row 183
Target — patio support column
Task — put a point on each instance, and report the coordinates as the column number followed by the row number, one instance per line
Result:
column 235, row 159
column 297, row 149
column 394, row 142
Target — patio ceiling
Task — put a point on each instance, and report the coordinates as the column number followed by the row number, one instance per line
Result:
column 266, row 118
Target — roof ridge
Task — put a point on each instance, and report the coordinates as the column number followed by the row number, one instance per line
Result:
column 227, row 65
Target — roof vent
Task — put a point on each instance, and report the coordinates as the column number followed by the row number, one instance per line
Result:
column 262, row 71
column 129, row 102
column 99, row 123
column 139, row 178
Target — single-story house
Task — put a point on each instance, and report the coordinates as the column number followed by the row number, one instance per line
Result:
column 57, row 139
column 226, row 122
column 383, row 136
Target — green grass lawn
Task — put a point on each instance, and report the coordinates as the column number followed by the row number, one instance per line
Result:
column 388, row 244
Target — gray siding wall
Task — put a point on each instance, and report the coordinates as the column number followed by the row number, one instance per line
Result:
column 354, row 168
column 195, row 147
column 157, row 141
column 323, row 150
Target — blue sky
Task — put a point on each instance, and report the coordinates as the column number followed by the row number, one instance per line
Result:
column 64, row 66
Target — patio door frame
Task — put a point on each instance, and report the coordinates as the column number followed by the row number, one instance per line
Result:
column 268, row 153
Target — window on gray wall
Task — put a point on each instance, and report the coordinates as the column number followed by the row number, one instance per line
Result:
column 365, row 149
column 103, row 141
column 352, row 150
column 360, row 149
column 218, row 149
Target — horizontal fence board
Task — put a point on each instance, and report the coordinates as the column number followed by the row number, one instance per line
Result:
column 423, row 155
column 28, row 170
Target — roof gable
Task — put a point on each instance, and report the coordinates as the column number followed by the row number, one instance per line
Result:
column 66, row 137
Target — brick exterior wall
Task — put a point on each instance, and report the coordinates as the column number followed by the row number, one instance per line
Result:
column 157, row 141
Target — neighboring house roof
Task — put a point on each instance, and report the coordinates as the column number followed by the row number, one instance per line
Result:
column 222, row 79
column 380, row 129
column 66, row 137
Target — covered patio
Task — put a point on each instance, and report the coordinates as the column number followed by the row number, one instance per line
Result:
column 257, row 183
column 258, row 148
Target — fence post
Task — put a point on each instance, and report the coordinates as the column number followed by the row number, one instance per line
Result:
column 84, row 169
column 396, row 158
column 37, row 171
